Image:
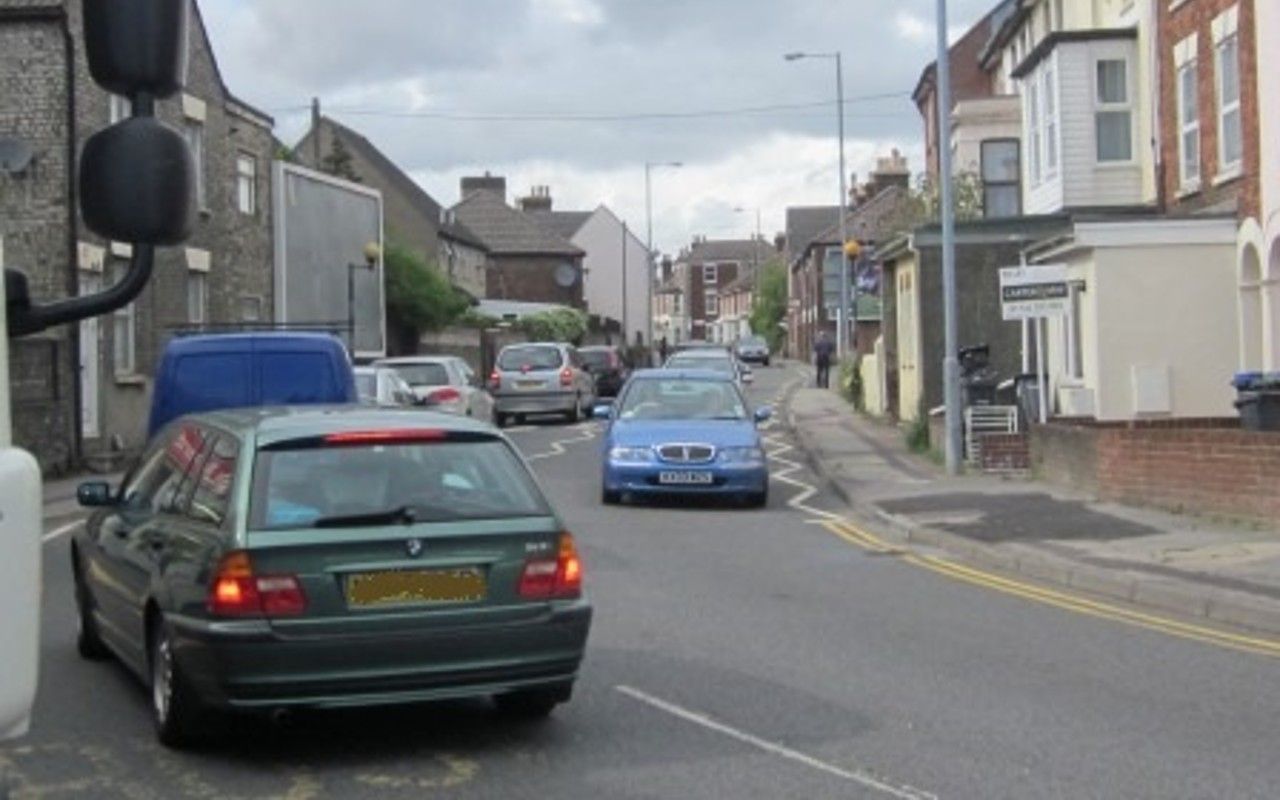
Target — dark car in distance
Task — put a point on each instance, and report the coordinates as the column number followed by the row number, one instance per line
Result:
column 608, row 366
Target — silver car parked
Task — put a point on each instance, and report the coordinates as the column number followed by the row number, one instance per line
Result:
column 444, row 383
column 540, row 378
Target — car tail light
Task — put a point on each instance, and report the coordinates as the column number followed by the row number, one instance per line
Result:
column 566, row 377
column 237, row 592
column 553, row 578
column 446, row 395
column 495, row 380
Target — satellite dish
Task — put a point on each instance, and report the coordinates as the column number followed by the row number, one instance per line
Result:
column 15, row 155
column 566, row 275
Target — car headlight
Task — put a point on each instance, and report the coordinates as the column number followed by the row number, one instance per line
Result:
column 741, row 455
column 631, row 455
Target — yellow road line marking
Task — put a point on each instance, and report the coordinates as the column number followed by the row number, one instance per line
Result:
column 1069, row 602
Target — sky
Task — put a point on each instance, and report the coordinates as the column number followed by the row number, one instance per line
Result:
column 578, row 95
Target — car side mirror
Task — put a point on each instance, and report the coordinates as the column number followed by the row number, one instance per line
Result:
column 763, row 414
column 95, row 494
column 603, row 411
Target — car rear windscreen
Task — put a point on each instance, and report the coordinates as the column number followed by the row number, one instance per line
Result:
column 723, row 365
column 596, row 358
column 423, row 374
column 518, row 358
column 315, row 486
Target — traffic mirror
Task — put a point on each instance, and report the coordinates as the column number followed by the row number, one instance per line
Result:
column 137, row 46
column 136, row 183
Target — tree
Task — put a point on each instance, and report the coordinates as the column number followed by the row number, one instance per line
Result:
column 556, row 325
column 770, row 305
column 419, row 297
column 339, row 162
column 924, row 203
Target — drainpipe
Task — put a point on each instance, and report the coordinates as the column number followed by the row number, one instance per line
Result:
column 73, row 240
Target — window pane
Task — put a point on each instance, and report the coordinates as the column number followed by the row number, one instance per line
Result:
column 1231, row 148
column 1000, row 161
column 1190, row 109
column 1000, row 200
column 1112, row 81
column 209, row 502
column 195, row 296
column 1191, row 155
column 1229, row 70
column 1114, row 136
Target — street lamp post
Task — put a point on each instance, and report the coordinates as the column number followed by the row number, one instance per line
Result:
column 649, row 166
column 843, row 322
column 372, row 252
column 950, row 362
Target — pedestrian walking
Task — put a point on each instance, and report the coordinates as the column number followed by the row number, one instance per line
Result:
column 662, row 351
column 823, row 349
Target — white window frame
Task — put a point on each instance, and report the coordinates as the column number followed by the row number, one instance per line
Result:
column 247, row 183
column 1049, row 121
column 119, row 108
column 1035, row 164
column 710, row 273
column 193, row 131
column 1186, row 63
column 1100, row 107
column 124, row 330
column 1226, row 33
column 712, row 304
column 197, row 290
column 1072, row 333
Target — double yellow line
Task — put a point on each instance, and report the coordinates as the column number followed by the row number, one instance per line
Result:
column 1069, row 602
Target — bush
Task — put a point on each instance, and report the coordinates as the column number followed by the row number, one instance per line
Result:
column 556, row 325
column 917, row 435
column 850, row 379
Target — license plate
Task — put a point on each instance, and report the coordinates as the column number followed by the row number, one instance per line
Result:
column 415, row 587
column 528, row 384
column 686, row 478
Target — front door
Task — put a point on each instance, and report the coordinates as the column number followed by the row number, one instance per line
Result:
column 89, row 363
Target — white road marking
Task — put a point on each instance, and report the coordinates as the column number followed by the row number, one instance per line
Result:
column 858, row 776
column 522, row 428
column 558, row 447
column 61, row 530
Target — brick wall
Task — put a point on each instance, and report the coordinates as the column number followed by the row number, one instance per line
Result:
column 35, row 220
column 532, row 279
column 1200, row 466
column 1196, row 16
column 1004, row 452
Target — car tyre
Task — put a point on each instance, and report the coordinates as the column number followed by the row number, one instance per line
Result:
column 758, row 499
column 88, row 640
column 531, row 704
column 500, row 420
column 175, row 709
column 766, row 362
column 575, row 414
column 610, row 498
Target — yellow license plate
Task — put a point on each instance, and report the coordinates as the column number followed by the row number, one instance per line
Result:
column 415, row 587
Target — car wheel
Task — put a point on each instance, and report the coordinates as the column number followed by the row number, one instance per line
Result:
column 532, row 704
column 758, row 499
column 88, row 641
column 575, row 415
column 500, row 420
column 610, row 498
column 175, row 710
column 766, row 362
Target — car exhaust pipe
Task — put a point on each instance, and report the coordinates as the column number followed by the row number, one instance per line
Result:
column 281, row 717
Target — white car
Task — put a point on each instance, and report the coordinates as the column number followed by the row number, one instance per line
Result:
column 444, row 383
column 381, row 386
column 714, row 359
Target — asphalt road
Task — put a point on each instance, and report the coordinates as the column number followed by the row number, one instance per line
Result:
column 735, row 654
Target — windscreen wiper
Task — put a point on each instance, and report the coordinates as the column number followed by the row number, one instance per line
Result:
column 405, row 515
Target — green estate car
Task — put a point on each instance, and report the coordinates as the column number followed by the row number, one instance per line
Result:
column 323, row 557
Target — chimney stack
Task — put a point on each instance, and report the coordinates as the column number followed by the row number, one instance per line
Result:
column 538, row 199
column 891, row 170
column 486, row 183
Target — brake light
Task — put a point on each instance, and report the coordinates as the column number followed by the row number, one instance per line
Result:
column 566, row 377
column 446, row 395
column 495, row 380
column 237, row 592
column 553, row 578
column 389, row 436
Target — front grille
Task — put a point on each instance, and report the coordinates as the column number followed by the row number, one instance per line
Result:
column 686, row 453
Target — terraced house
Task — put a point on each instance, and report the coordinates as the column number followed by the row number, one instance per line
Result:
column 81, row 393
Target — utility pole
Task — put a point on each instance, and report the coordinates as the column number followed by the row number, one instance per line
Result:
column 315, row 131
column 626, row 330
column 950, row 362
column 648, row 216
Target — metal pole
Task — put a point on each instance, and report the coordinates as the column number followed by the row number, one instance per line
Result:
column 950, row 363
column 626, row 331
column 1042, row 324
column 648, row 244
column 6, row 423
column 351, row 309
column 842, row 334
column 1026, row 327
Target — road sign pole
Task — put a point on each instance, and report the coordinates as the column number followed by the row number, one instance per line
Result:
column 1041, row 379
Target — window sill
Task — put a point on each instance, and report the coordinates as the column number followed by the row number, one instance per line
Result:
column 1188, row 190
column 1228, row 175
column 131, row 379
column 1116, row 165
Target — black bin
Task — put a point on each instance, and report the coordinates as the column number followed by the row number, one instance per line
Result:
column 1259, row 411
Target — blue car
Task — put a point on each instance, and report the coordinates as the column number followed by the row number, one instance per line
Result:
column 674, row 432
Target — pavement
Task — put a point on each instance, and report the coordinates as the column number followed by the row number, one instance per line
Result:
column 1187, row 565
column 735, row 653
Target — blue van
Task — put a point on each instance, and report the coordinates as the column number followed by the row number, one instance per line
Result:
column 208, row 372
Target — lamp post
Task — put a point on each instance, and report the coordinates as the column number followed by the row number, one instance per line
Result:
column 372, row 252
column 649, row 167
column 950, row 362
column 841, row 327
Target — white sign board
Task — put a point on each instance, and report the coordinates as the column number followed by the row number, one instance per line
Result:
column 1034, row 292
